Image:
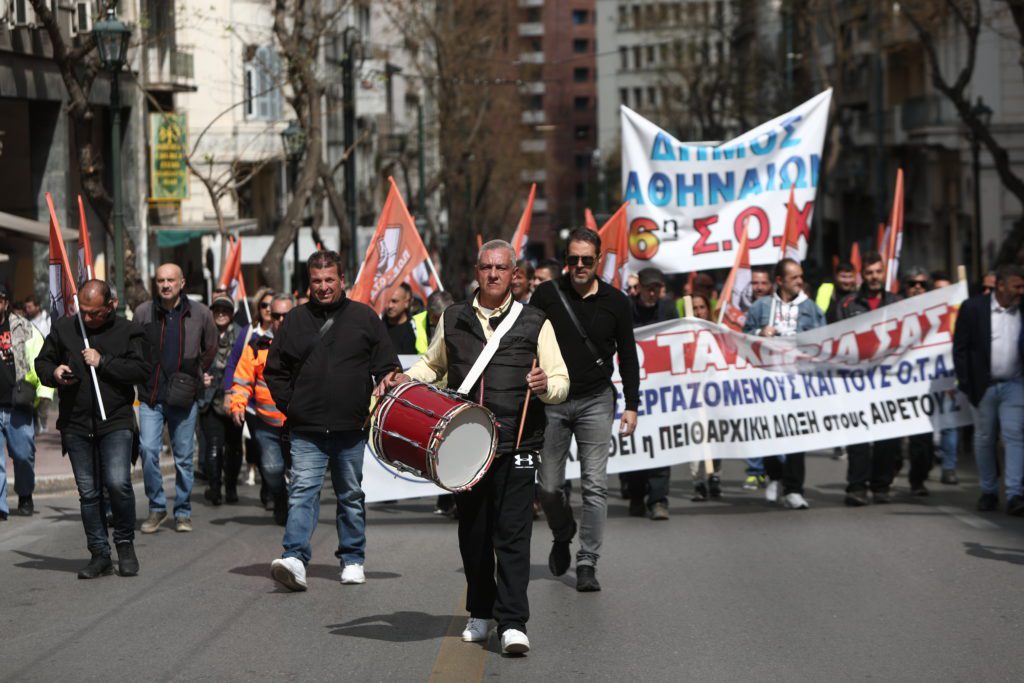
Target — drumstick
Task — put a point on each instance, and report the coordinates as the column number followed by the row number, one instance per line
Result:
column 526, row 404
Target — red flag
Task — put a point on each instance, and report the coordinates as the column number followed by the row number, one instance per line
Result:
column 522, row 234
column 882, row 239
column 589, row 220
column 615, row 244
column 396, row 255
column 62, row 283
column 731, row 312
column 894, row 235
column 479, row 241
column 790, row 247
column 231, row 277
column 85, row 271
column 855, row 260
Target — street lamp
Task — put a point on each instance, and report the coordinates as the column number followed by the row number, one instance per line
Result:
column 112, row 38
column 983, row 114
column 294, row 140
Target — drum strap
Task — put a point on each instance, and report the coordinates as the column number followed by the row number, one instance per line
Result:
column 490, row 349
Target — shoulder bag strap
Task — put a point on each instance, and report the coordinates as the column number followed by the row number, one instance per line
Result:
column 490, row 349
column 598, row 360
column 320, row 335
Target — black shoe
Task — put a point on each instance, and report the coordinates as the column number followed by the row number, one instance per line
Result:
column 714, row 486
column 880, row 497
column 99, row 565
column 3, row 516
column 700, row 492
column 281, row 510
column 949, row 477
column 213, row 496
column 586, row 579
column 637, row 507
column 988, row 502
column 1015, row 506
column 918, row 491
column 559, row 559
column 25, row 506
column 127, row 562
column 856, row 499
column 230, row 494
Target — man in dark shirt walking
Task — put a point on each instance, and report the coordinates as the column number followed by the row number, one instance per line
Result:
column 396, row 317
column 606, row 318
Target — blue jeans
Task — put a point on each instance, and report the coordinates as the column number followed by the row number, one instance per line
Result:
column 271, row 457
column 1001, row 409
column 311, row 455
column 18, row 431
column 113, row 453
column 949, row 443
column 181, row 423
column 755, row 467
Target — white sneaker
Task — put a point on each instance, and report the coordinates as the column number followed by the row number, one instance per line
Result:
column 514, row 642
column 290, row 573
column 476, row 630
column 353, row 573
column 771, row 492
column 794, row 501
column 251, row 479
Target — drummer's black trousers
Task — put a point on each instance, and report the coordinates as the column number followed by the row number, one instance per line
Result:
column 495, row 523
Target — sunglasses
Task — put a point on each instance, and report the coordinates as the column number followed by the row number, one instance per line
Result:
column 587, row 261
column 264, row 304
column 917, row 283
column 278, row 316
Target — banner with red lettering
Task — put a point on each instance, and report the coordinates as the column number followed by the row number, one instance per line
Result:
column 688, row 202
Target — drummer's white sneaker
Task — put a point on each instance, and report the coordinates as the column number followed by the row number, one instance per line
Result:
column 353, row 573
column 771, row 491
column 514, row 642
column 290, row 573
column 476, row 630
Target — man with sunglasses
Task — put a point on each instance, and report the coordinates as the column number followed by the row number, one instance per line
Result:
column 607, row 320
column 248, row 386
column 922, row 446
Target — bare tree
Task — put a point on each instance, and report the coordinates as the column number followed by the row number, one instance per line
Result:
column 79, row 65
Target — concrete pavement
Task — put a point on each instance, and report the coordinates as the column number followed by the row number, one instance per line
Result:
column 724, row 591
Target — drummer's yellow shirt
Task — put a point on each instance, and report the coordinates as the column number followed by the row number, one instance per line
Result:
column 434, row 363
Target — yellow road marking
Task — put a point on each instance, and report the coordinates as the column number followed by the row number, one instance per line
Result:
column 456, row 660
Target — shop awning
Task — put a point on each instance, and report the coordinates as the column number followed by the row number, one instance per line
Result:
column 34, row 230
column 175, row 235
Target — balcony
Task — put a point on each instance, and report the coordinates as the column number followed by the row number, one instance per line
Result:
column 531, row 29
column 532, row 88
column 526, row 4
column 532, row 146
column 170, row 69
column 533, row 117
column 533, row 175
column 531, row 57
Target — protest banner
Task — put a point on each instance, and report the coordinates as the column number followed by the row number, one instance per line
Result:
column 707, row 390
column 688, row 203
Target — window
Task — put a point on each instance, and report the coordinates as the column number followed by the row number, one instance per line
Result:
column 262, row 89
column 580, row 45
column 536, row 102
column 581, row 74
column 638, row 97
column 623, row 58
column 580, row 103
column 638, row 57
column 580, row 16
column 650, row 55
column 624, row 96
column 623, row 16
column 652, row 96
column 533, row 15
column 582, row 161
column 581, row 192
column 582, row 132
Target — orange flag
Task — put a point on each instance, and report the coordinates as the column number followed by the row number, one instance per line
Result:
column 396, row 255
column 882, row 239
column 85, row 271
column 589, row 220
column 522, row 234
column 731, row 312
column 790, row 247
column 63, row 290
column 855, row 260
column 614, row 249
column 894, row 237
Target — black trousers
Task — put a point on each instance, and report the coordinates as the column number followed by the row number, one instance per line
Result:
column 791, row 472
column 496, row 522
column 871, row 465
column 653, row 483
column 223, row 449
column 922, row 456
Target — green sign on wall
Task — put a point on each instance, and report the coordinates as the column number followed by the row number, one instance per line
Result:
column 168, row 173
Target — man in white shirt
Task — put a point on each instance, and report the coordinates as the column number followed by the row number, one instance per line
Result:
column 987, row 357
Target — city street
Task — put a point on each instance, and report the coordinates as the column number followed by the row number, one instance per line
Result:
column 729, row 591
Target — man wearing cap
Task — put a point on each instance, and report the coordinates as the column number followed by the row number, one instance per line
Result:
column 648, row 489
column 20, row 343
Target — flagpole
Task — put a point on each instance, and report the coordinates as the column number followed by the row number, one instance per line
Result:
column 430, row 265
column 92, row 369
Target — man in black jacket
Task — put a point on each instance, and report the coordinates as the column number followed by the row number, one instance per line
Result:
column 100, row 450
column 588, row 413
column 869, row 465
column 988, row 348
column 321, row 370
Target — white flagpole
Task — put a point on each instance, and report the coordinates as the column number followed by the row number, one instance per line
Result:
column 92, row 370
column 430, row 264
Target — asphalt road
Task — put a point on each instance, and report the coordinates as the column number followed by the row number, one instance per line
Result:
column 725, row 591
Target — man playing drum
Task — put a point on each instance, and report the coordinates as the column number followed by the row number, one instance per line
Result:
column 496, row 515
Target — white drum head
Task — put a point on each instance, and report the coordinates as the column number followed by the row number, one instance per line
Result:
column 465, row 448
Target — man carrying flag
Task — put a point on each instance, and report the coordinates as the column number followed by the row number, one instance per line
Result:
column 85, row 271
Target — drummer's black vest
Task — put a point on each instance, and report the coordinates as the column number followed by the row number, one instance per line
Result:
column 504, row 380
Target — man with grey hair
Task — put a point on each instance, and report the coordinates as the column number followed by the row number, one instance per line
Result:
column 496, row 515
